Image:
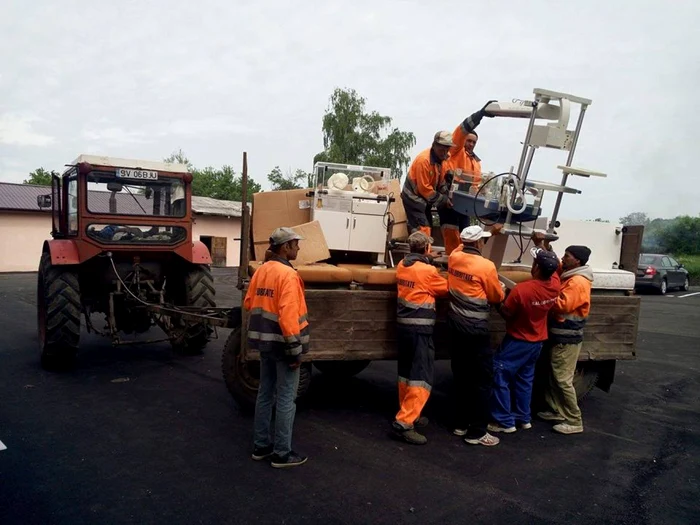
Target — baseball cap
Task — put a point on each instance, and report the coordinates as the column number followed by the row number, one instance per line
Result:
column 545, row 259
column 444, row 138
column 582, row 253
column 473, row 233
column 419, row 239
column 282, row 235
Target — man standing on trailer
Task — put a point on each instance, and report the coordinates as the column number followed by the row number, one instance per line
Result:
column 474, row 286
column 568, row 319
column 419, row 283
column 421, row 190
column 463, row 165
column 278, row 328
column 525, row 311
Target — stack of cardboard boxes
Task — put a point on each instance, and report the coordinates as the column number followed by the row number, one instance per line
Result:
column 292, row 208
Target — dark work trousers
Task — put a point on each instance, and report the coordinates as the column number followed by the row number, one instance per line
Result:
column 472, row 371
column 416, row 364
column 419, row 216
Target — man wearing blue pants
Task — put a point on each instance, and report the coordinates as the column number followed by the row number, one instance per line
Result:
column 525, row 311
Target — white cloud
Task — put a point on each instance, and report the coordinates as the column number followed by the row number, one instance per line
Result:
column 17, row 130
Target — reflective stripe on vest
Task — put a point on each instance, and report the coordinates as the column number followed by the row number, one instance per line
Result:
column 570, row 330
column 469, row 307
column 409, row 313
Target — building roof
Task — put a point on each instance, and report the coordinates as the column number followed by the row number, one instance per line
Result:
column 22, row 197
column 114, row 162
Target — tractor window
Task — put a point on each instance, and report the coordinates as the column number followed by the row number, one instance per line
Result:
column 109, row 194
column 72, row 205
column 136, row 234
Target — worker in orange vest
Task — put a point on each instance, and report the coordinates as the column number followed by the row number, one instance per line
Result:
column 279, row 329
column 474, row 286
column 569, row 316
column 419, row 283
column 463, row 165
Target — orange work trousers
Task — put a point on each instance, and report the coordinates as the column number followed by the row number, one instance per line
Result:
column 416, row 362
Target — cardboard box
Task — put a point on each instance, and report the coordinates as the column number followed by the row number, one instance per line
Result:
column 274, row 209
column 311, row 250
column 393, row 188
column 400, row 231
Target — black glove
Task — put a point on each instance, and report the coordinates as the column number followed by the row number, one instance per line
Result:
column 483, row 112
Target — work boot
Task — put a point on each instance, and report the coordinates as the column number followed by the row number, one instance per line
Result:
column 409, row 435
column 565, row 428
column 550, row 416
column 421, row 422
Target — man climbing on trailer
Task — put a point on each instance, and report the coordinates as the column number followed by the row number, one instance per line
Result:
column 462, row 166
column 278, row 328
column 566, row 326
column 474, row 285
column 419, row 283
column 525, row 311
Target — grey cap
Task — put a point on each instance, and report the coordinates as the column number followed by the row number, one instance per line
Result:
column 419, row 239
column 283, row 235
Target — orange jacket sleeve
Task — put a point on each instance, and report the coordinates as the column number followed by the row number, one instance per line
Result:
column 438, row 284
column 421, row 171
column 249, row 294
column 569, row 297
column 290, row 311
column 494, row 292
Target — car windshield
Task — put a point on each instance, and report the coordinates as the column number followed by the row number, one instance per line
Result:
column 648, row 259
column 153, row 196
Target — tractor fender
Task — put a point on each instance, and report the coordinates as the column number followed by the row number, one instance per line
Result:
column 200, row 253
column 62, row 251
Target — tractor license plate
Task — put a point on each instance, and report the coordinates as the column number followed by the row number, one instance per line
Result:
column 137, row 174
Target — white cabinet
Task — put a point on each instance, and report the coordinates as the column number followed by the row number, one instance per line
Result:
column 359, row 226
column 367, row 234
column 336, row 228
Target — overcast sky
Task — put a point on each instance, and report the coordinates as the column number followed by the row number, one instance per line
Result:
column 215, row 78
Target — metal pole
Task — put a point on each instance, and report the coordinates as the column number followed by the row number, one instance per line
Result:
column 524, row 154
column 569, row 160
column 245, row 224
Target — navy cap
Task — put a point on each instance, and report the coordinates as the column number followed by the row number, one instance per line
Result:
column 545, row 259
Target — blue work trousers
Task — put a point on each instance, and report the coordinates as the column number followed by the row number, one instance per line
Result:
column 513, row 376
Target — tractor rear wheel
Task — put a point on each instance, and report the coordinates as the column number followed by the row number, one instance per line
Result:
column 58, row 314
column 198, row 291
column 585, row 378
column 242, row 377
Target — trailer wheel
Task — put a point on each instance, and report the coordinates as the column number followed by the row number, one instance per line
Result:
column 585, row 378
column 58, row 314
column 199, row 291
column 341, row 368
column 242, row 377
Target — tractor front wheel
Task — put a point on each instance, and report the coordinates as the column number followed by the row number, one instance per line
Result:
column 58, row 314
column 198, row 291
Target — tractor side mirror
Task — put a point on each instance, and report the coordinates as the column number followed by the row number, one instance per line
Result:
column 43, row 201
column 114, row 186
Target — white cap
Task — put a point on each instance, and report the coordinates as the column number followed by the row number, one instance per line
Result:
column 473, row 234
column 444, row 138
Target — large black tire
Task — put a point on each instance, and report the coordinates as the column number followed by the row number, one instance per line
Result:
column 585, row 378
column 341, row 368
column 198, row 291
column 58, row 314
column 242, row 377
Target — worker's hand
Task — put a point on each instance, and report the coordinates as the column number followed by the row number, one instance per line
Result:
column 538, row 239
column 483, row 110
column 449, row 203
column 294, row 361
column 495, row 229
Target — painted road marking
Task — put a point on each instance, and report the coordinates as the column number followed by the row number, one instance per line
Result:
column 2, row 446
column 688, row 295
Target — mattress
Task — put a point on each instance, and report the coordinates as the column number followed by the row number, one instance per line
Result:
column 315, row 273
column 364, row 274
column 603, row 279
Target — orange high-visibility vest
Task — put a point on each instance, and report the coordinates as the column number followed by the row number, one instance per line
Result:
column 418, row 283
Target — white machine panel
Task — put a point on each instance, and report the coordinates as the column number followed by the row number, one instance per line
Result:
column 368, row 234
column 368, row 207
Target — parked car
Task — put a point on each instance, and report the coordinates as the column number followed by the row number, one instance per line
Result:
column 661, row 272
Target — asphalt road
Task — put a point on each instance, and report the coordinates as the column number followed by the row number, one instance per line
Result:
column 137, row 435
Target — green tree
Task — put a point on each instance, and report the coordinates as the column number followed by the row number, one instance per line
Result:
column 353, row 136
column 222, row 183
column 40, row 177
column 635, row 219
column 681, row 236
column 291, row 181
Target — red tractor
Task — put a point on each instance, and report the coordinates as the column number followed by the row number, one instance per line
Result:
column 122, row 246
